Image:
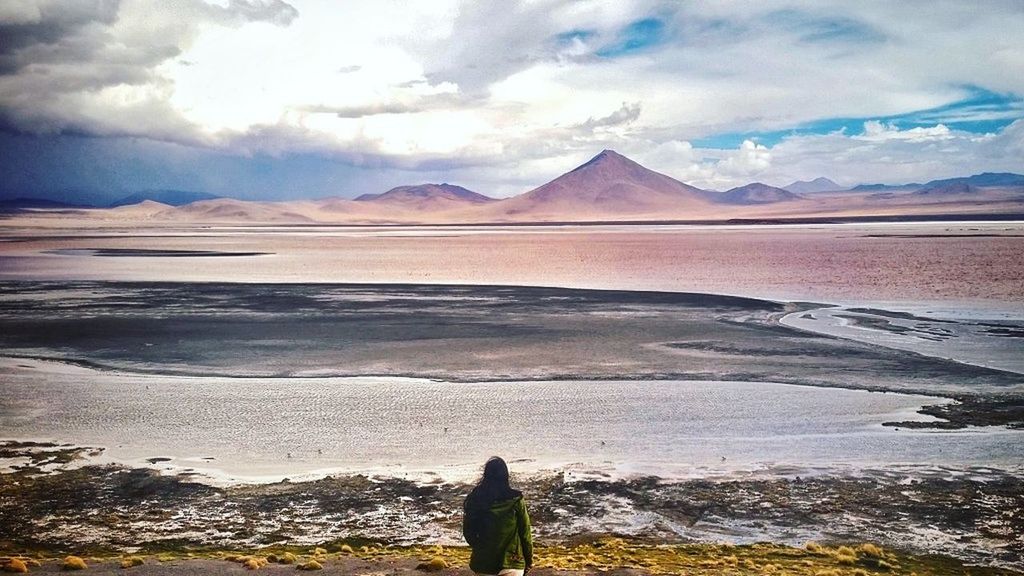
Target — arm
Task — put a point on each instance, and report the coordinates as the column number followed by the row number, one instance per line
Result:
column 525, row 535
column 469, row 528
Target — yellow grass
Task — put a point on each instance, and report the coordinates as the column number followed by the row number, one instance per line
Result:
column 132, row 561
column 74, row 563
column 15, row 565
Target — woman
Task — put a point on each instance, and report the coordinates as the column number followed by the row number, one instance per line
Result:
column 496, row 525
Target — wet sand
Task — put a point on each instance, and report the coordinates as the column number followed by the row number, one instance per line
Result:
column 456, row 334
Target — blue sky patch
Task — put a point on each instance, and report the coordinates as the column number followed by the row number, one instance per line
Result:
column 634, row 37
column 982, row 112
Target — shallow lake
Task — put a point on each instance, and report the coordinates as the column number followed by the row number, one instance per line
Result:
column 249, row 428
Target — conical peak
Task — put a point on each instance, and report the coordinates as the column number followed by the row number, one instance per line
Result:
column 609, row 154
column 605, row 157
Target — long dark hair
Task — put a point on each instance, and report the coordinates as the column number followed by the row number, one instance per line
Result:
column 493, row 486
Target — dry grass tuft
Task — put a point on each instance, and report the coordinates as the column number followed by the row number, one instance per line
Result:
column 814, row 548
column 846, row 559
column 346, row 549
column 311, row 565
column 287, row 558
column 871, row 550
column 435, row 564
column 73, row 563
column 319, row 551
column 16, row 565
column 132, row 561
column 832, row 572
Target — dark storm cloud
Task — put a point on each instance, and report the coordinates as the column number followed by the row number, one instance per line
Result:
column 56, row 55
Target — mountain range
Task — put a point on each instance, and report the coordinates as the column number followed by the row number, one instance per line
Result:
column 608, row 187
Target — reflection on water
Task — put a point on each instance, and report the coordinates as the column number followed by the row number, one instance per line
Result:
column 287, row 426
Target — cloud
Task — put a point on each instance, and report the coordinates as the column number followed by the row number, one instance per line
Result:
column 508, row 94
column 91, row 66
column 884, row 154
column 875, row 131
column 629, row 113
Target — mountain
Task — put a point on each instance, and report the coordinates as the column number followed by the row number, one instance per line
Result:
column 608, row 186
column 756, row 193
column 169, row 197
column 428, row 197
column 820, row 184
column 983, row 180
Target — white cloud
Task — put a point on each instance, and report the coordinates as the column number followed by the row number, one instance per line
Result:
column 509, row 94
column 875, row 131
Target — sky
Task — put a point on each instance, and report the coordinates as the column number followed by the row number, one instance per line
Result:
column 276, row 100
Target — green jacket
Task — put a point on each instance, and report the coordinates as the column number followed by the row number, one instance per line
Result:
column 500, row 537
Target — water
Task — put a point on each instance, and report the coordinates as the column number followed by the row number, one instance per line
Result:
column 971, row 336
column 249, row 428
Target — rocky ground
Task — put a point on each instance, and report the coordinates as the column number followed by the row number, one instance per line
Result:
column 53, row 503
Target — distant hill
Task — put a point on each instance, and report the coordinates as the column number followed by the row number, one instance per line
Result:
column 232, row 210
column 609, row 185
column 885, row 187
column 812, row 186
column 428, row 197
column 169, row 197
column 948, row 189
column 756, row 193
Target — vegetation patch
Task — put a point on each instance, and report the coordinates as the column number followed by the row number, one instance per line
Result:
column 74, row 563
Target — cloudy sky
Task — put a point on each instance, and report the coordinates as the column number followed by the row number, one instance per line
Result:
column 275, row 99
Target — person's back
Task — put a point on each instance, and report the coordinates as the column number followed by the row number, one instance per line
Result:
column 497, row 526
